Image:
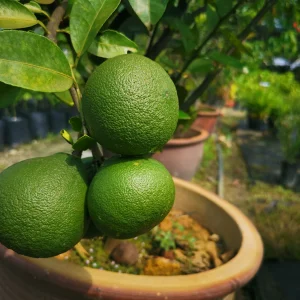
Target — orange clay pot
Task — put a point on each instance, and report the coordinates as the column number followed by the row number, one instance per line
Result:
column 23, row 278
column 182, row 156
column 207, row 118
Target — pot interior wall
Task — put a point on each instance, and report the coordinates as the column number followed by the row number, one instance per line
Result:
column 210, row 215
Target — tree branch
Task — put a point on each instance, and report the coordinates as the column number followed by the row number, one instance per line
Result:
column 207, row 39
column 152, row 38
column 55, row 20
column 161, row 44
column 198, row 92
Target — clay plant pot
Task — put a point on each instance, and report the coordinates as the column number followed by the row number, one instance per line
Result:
column 24, row 278
column 207, row 118
column 289, row 176
column 257, row 124
column 182, row 156
column 16, row 131
column 2, row 142
column 58, row 121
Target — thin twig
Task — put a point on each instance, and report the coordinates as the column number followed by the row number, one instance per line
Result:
column 151, row 40
column 197, row 51
column 198, row 92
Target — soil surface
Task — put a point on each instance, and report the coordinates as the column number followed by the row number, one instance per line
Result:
column 178, row 245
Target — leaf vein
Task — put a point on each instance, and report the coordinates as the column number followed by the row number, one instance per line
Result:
column 37, row 67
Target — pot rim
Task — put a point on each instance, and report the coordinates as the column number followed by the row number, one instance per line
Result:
column 207, row 285
column 215, row 112
column 199, row 138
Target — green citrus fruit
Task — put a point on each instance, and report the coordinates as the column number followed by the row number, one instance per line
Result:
column 129, row 196
column 42, row 205
column 130, row 105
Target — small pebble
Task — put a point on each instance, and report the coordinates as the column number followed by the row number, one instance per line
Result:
column 214, row 237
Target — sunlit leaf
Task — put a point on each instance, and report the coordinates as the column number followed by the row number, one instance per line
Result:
column 112, row 43
column 15, row 15
column 65, row 97
column 67, row 137
column 183, row 116
column 35, row 8
column 33, row 62
column 83, row 143
column 149, row 11
column 9, row 95
column 87, row 18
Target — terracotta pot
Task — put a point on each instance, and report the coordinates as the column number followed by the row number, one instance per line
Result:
column 182, row 156
column 207, row 118
column 24, row 278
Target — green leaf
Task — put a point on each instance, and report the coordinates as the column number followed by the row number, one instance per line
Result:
column 87, row 18
column 112, row 43
column 226, row 60
column 9, row 95
column 15, row 15
column 236, row 42
column 212, row 18
column 45, row 1
column 33, row 62
column 183, row 116
column 76, row 123
column 201, row 65
column 188, row 36
column 83, row 143
column 67, row 137
column 149, row 11
column 68, row 52
column 35, row 8
column 65, row 97
column 223, row 7
column 70, row 6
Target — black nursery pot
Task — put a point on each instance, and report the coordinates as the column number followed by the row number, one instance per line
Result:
column 39, row 124
column 257, row 124
column 289, row 174
column 2, row 142
column 16, row 131
column 58, row 121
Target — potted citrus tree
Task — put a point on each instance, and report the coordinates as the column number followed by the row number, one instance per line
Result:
column 129, row 105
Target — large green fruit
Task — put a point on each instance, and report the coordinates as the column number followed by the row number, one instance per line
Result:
column 42, row 205
column 129, row 196
column 130, row 105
